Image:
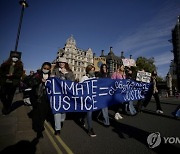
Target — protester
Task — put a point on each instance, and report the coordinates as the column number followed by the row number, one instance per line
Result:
column 26, row 86
column 129, row 106
column 10, row 75
column 41, row 105
column 90, row 74
column 104, row 74
column 118, row 74
column 62, row 71
column 139, row 104
column 153, row 92
column 21, row 81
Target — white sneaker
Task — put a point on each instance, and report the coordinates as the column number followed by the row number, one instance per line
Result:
column 27, row 101
column 118, row 116
column 159, row 111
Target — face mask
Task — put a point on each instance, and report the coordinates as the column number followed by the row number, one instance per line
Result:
column 91, row 73
column 14, row 59
column 45, row 71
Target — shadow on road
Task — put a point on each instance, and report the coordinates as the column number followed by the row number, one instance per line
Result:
column 22, row 147
column 165, row 103
column 161, row 115
column 16, row 105
column 141, row 136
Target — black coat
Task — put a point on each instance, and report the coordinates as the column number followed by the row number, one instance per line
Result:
column 16, row 77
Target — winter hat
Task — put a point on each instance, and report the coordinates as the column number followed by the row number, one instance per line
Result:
column 61, row 60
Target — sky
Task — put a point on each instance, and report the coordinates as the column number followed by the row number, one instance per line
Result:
column 137, row 27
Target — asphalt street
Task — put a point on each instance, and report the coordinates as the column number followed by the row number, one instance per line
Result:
column 125, row 136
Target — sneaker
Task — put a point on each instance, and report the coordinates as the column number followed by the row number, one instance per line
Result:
column 159, row 111
column 118, row 116
column 91, row 133
column 27, row 101
column 57, row 132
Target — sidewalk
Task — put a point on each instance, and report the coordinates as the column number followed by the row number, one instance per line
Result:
column 17, row 135
column 17, row 127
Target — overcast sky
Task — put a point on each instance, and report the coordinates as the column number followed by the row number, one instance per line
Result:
column 137, row 27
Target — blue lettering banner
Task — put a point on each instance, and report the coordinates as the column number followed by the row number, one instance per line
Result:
column 91, row 95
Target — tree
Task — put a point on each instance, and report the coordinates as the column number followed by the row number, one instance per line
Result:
column 146, row 64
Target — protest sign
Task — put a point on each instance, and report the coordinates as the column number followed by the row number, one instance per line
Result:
column 129, row 62
column 91, row 95
column 143, row 76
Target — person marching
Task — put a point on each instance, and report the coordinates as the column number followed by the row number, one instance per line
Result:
column 11, row 72
column 104, row 74
column 119, row 74
column 63, row 72
column 90, row 74
column 26, row 88
column 39, row 98
column 129, row 106
column 153, row 92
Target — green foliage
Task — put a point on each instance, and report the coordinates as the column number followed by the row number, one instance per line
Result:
column 146, row 64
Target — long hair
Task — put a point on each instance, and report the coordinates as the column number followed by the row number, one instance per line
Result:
column 9, row 62
column 119, row 67
column 88, row 68
column 66, row 66
column 101, row 68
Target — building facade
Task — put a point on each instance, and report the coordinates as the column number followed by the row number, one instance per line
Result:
column 77, row 58
column 176, row 50
column 112, row 60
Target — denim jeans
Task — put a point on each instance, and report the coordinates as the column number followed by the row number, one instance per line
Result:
column 58, row 118
column 89, row 120
column 106, row 116
column 131, row 108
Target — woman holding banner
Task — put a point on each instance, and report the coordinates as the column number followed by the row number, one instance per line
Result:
column 129, row 106
column 62, row 71
column 104, row 74
column 90, row 74
column 119, row 74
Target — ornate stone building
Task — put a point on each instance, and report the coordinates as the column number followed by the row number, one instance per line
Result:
column 112, row 60
column 77, row 58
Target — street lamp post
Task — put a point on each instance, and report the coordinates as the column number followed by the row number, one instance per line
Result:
column 24, row 4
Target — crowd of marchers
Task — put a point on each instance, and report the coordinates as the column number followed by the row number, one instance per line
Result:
column 34, row 92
